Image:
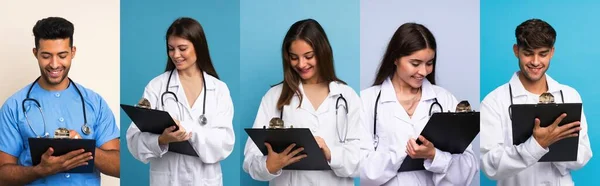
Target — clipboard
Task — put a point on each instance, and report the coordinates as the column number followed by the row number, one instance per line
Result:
column 523, row 116
column 450, row 132
column 280, row 139
column 38, row 146
column 156, row 121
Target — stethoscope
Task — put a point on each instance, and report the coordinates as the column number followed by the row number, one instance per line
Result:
column 337, row 107
column 375, row 135
column 85, row 128
column 202, row 118
column 562, row 98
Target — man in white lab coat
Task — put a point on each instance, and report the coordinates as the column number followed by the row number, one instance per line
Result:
column 518, row 164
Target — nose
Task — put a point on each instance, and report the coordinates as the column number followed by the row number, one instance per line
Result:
column 302, row 62
column 422, row 70
column 536, row 60
column 54, row 62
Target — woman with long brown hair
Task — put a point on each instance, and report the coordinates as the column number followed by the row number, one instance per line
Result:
column 398, row 106
column 310, row 96
column 190, row 90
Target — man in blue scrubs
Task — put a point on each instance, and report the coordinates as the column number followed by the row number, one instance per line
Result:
column 61, row 106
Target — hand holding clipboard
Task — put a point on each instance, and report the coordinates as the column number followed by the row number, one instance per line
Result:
column 558, row 134
column 66, row 153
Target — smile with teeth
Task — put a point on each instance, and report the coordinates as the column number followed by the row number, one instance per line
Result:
column 535, row 69
column 54, row 73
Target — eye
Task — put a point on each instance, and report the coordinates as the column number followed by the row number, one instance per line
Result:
column 183, row 49
column 415, row 64
column 294, row 57
column 62, row 56
column 544, row 54
column 527, row 54
column 429, row 63
column 45, row 56
column 170, row 49
column 310, row 56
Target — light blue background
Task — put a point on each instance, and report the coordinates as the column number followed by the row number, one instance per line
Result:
column 143, row 57
column 574, row 62
column 264, row 23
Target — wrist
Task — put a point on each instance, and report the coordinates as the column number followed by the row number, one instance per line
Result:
column 540, row 142
column 271, row 169
column 39, row 171
column 161, row 140
column 432, row 154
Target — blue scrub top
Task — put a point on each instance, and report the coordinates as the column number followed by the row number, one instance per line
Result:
column 61, row 109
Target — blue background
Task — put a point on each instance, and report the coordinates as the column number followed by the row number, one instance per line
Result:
column 574, row 62
column 143, row 57
column 264, row 23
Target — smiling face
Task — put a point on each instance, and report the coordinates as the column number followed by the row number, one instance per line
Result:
column 181, row 52
column 54, row 59
column 413, row 69
column 533, row 63
column 304, row 61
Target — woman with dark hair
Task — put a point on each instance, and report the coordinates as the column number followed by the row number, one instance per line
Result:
column 310, row 96
column 396, row 109
column 190, row 90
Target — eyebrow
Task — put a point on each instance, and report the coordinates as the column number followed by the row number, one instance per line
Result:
column 303, row 54
column 179, row 45
column 48, row 53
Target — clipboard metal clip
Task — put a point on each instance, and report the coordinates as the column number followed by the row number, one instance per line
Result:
column 545, row 98
column 276, row 123
column 61, row 133
column 463, row 106
column 143, row 103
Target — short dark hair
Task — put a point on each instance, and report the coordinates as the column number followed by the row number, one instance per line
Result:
column 53, row 28
column 535, row 33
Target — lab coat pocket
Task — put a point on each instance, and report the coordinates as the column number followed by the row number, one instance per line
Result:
column 160, row 178
column 214, row 181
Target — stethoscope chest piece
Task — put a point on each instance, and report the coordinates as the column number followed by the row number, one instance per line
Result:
column 86, row 129
column 203, row 119
column 376, row 141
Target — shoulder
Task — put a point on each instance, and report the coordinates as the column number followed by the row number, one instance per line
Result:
column 15, row 100
column 441, row 92
column 570, row 94
column 158, row 81
column 345, row 89
column 370, row 93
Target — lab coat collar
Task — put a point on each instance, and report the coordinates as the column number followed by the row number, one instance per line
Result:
column 334, row 90
column 210, row 80
column 519, row 90
column 388, row 93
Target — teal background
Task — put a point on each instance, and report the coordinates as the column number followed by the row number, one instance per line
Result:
column 574, row 62
column 143, row 56
column 264, row 23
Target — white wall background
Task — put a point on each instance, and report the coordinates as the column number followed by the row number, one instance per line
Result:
column 96, row 64
column 455, row 25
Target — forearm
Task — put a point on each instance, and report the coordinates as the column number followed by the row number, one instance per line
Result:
column 107, row 161
column 13, row 174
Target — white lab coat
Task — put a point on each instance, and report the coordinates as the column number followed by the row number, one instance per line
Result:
column 213, row 142
column 345, row 157
column 395, row 127
column 517, row 164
